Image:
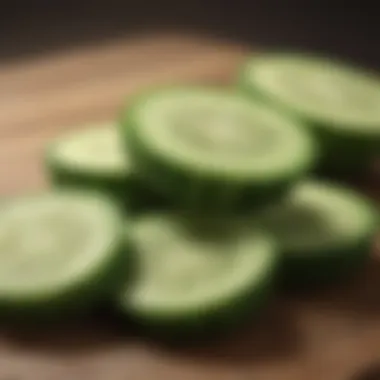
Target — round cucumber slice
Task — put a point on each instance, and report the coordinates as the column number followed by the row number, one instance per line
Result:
column 340, row 102
column 325, row 231
column 197, row 277
column 93, row 158
column 214, row 150
column 58, row 251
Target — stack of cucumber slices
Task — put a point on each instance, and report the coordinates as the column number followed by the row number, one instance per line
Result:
column 185, row 212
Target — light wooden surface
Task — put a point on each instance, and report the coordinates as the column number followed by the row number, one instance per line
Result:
column 40, row 98
column 327, row 336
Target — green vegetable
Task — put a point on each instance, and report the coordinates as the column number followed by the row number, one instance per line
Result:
column 93, row 158
column 339, row 102
column 325, row 232
column 197, row 277
column 213, row 150
column 59, row 252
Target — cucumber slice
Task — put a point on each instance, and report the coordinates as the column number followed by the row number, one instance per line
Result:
column 58, row 252
column 197, row 277
column 214, row 150
column 340, row 102
column 325, row 231
column 93, row 158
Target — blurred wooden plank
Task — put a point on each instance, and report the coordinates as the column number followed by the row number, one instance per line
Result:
column 92, row 83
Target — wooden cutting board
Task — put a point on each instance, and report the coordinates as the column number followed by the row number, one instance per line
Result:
column 327, row 336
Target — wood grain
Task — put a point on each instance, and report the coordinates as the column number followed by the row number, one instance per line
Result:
column 326, row 336
column 40, row 99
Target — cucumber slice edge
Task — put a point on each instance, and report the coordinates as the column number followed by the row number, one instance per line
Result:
column 91, row 266
column 258, row 271
column 252, row 81
column 63, row 153
column 307, row 149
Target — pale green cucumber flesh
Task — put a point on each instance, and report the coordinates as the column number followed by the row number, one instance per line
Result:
column 213, row 133
column 326, row 91
column 190, row 272
column 94, row 158
column 321, row 225
column 338, row 101
column 209, row 149
column 94, row 151
column 56, row 247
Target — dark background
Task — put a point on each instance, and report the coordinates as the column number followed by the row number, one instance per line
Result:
column 349, row 30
